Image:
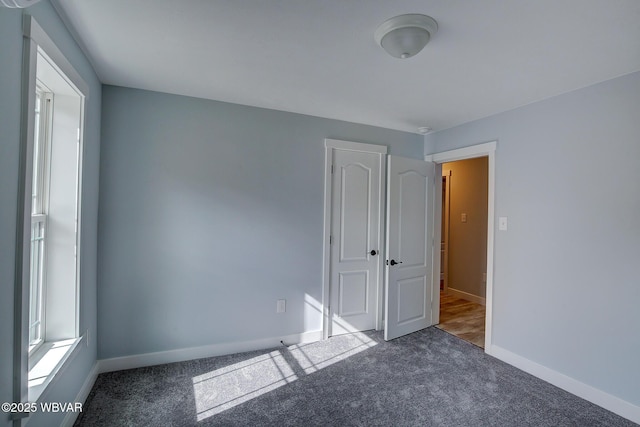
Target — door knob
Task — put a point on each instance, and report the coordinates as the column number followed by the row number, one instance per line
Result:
column 394, row 262
column 373, row 252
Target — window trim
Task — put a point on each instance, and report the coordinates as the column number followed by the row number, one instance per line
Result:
column 35, row 39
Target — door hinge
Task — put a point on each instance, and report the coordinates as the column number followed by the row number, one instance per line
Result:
column 331, row 168
column 330, row 239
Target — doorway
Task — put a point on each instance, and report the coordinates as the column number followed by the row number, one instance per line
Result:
column 463, row 247
column 486, row 150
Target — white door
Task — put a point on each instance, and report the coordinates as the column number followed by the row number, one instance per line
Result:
column 355, row 235
column 409, row 279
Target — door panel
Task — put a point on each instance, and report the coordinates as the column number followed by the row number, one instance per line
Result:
column 411, row 300
column 355, row 225
column 408, row 285
column 354, row 212
column 353, row 293
column 411, row 219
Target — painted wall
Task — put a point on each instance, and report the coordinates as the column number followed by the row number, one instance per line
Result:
column 468, row 240
column 567, row 276
column 209, row 213
column 72, row 379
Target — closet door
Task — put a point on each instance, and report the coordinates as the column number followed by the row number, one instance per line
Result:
column 355, row 230
column 408, row 270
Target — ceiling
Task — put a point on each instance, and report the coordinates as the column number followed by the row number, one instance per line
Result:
column 319, row 57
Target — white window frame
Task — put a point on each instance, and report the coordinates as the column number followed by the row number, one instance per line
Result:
column 39, row 203
column 51, row 357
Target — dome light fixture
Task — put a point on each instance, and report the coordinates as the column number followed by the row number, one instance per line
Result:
column 17, row 3
column 424, row 130
column 404, row 36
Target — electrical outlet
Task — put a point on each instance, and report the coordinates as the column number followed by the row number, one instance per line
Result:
column 281, row 306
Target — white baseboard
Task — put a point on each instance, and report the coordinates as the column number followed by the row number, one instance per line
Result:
column 180, row 355
column 466, row 296
column 71, row 416
column 607, row 401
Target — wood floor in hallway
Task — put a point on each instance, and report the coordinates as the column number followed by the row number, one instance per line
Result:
column 464, row 319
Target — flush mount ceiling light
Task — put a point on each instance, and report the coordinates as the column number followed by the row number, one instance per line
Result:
column 404, row 36
column 17, row 3
column 424, row 130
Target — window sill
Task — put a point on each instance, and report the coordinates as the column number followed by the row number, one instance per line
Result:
column 47, row 361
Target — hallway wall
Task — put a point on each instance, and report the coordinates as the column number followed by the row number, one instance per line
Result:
column 468, row 240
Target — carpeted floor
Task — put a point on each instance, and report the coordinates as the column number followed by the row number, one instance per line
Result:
column 428, row 378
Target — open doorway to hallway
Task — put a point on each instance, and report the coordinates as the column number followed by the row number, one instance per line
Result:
column 464, row 249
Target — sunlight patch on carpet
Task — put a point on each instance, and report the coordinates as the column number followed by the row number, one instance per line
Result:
column 313, row 358
column 232, row 385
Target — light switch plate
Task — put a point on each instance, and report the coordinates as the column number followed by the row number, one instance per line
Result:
column 463, row 217
column 502, row 223
column 281, row 306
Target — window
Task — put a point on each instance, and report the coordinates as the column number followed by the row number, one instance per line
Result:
column 41, row 143
column 48, row 330
column 53, row 273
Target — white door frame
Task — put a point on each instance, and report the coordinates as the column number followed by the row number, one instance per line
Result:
column 444, row 261
column 381, row 150
column 480, row 150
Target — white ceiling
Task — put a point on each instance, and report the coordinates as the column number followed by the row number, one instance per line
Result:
column 319, row 57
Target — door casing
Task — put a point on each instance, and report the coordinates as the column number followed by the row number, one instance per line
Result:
column 444, row 239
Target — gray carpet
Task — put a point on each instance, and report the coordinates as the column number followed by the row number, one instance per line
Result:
column 428, row 378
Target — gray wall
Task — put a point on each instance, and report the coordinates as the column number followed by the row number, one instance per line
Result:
column 468, row 240
column 70, row 381
column 209, row 213
column 567, row 272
